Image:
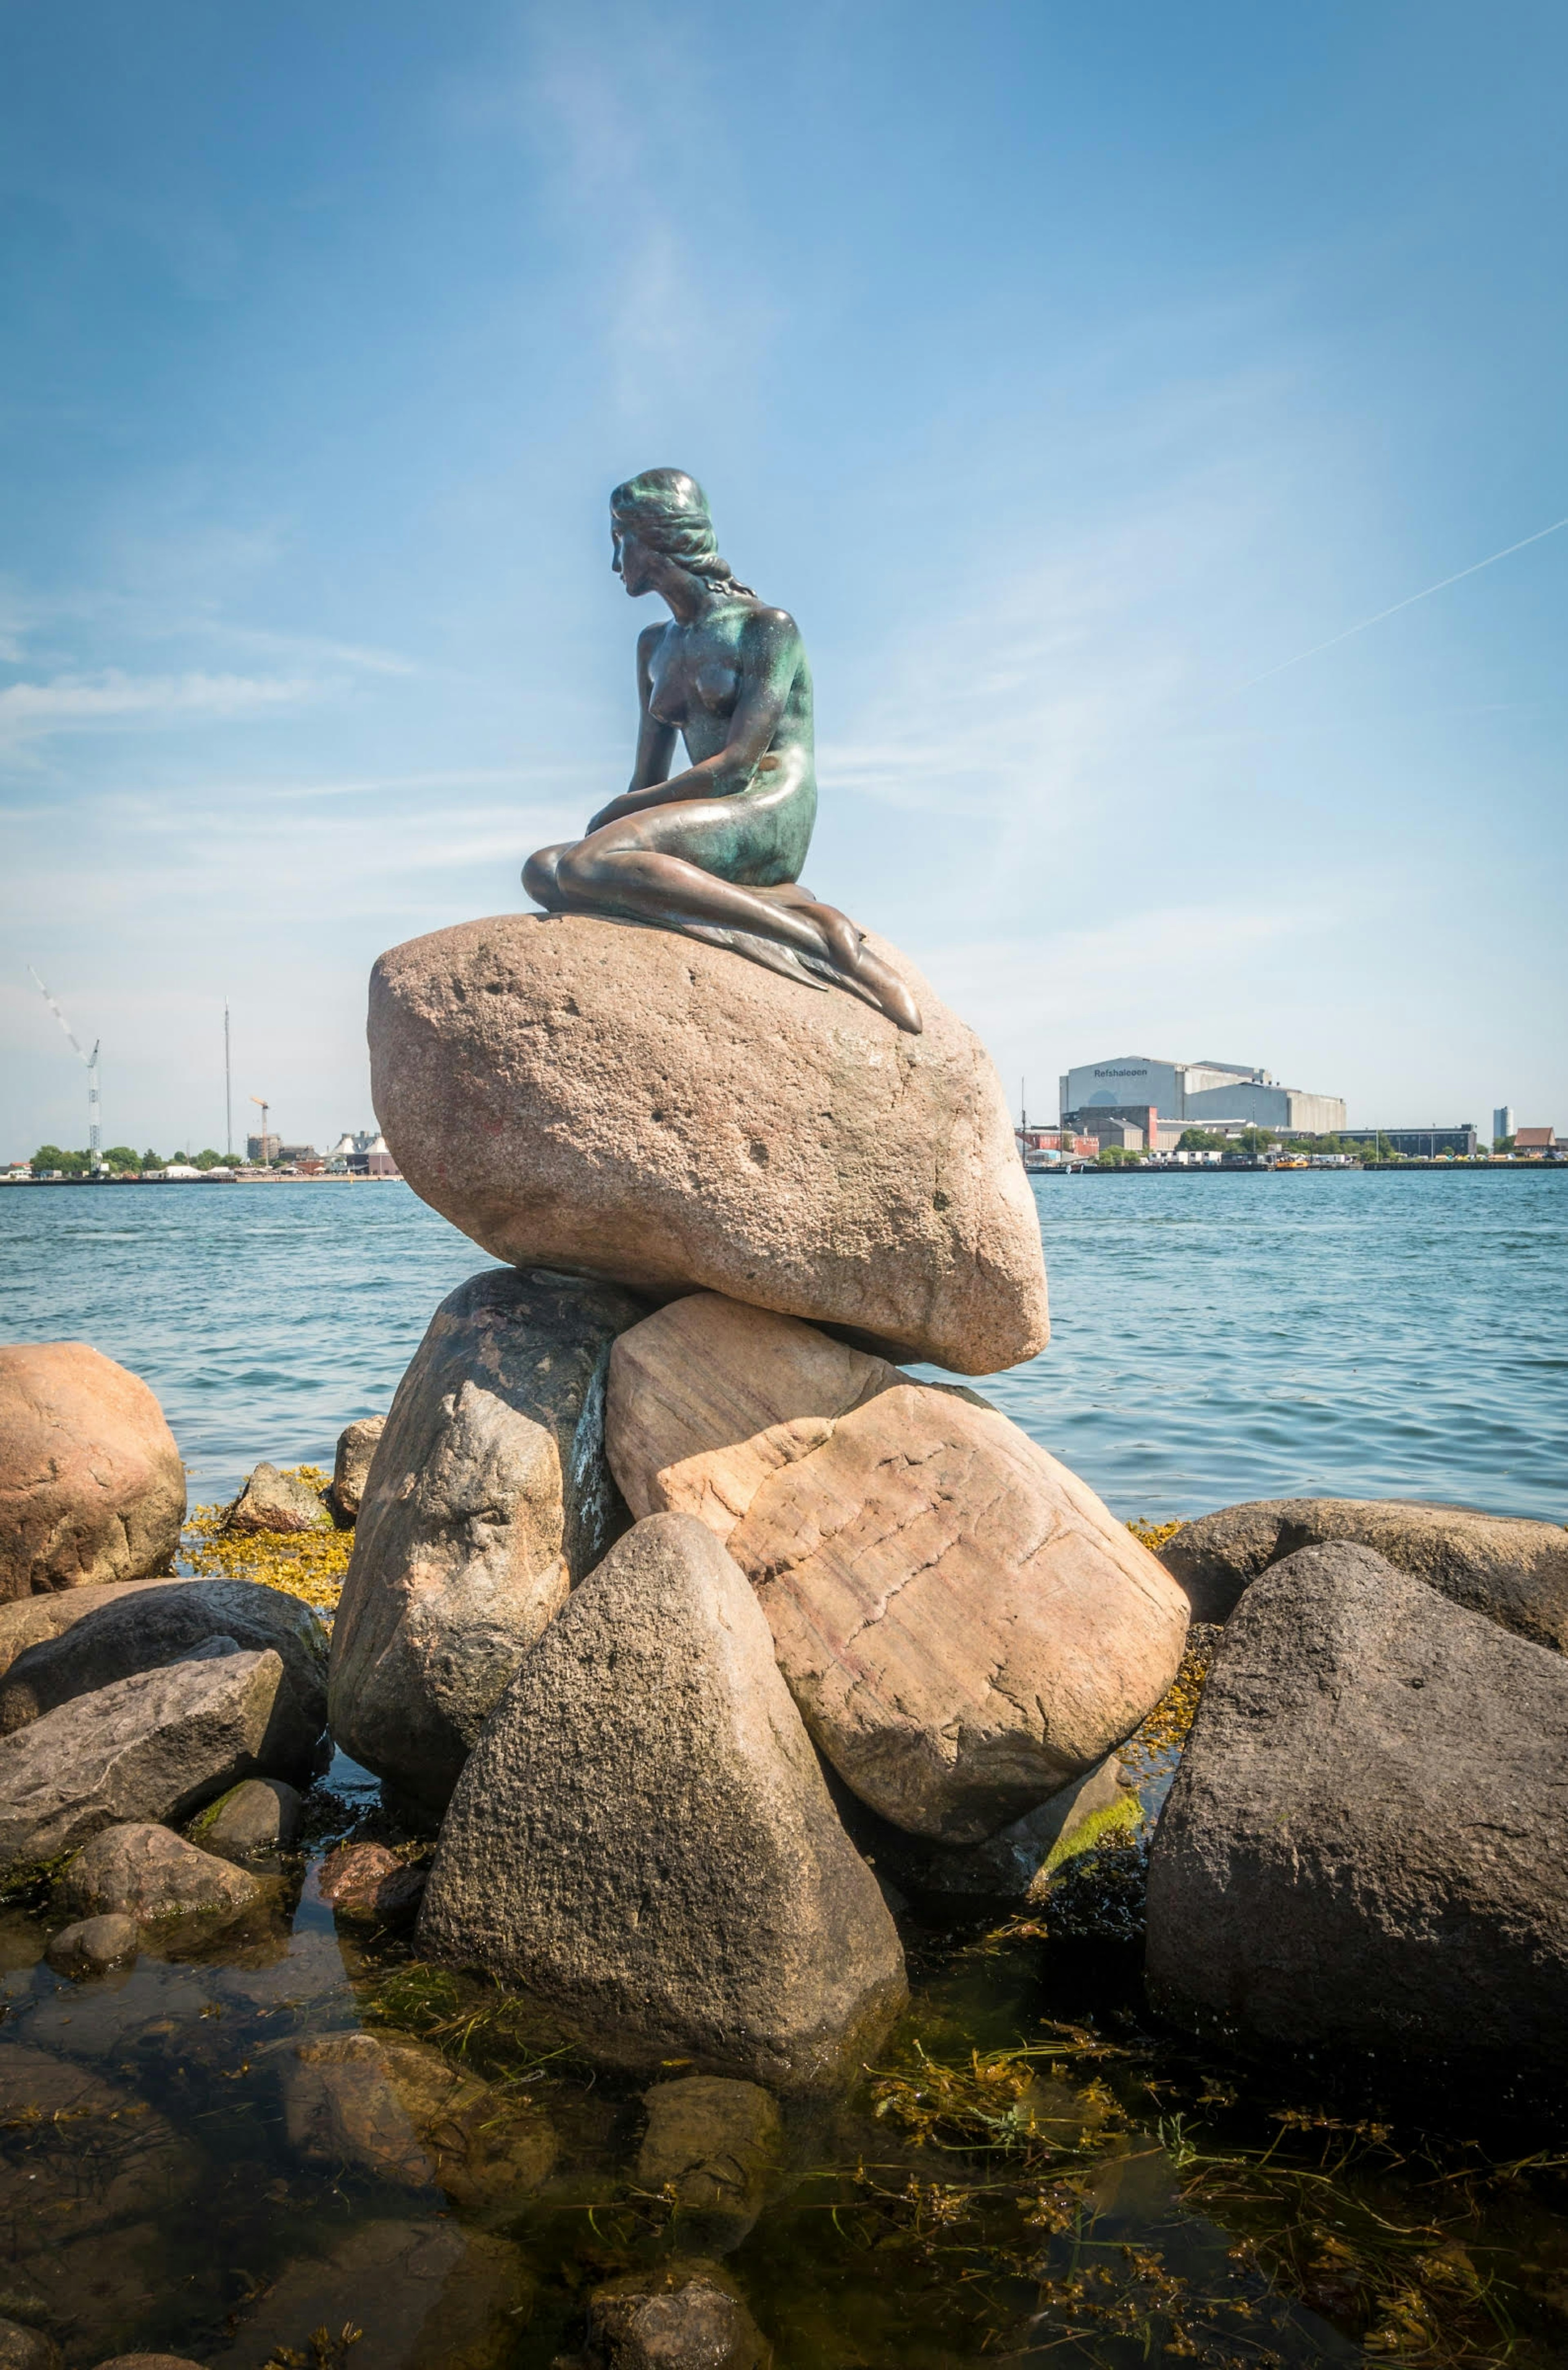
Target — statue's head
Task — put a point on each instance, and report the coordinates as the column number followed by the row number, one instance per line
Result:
column 664, row 512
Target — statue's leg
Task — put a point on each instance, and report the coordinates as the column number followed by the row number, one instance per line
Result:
column 639, row 866
column 540, row 877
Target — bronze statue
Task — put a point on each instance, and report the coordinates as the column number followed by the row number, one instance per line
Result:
column 717, row 850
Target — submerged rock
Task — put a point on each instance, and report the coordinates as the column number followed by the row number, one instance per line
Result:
column 91, row 1485
column 271, row 1500
column 71, row 2134
column 490, row 1496
column 643, row 1840
column 1513, row 1570
column 400, row 2112
column 351, row 1467
column 154, row 1746
column 369, row 1881
column 144, row 1871
column 94, row 1945
column 258, row 1816
column 713, row 2146
column 1367, row 1842
column 578, row 1094
column 158, row 1626
column 688, row 2317
column 425, row 2295
column 27, row 2349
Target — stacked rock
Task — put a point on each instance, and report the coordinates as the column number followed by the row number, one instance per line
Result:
column 665, row 1571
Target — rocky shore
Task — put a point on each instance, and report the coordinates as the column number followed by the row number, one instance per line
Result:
column 696, row 1643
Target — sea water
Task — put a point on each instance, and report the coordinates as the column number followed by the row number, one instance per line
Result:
column 1216, row 1338
column 1114, row 2197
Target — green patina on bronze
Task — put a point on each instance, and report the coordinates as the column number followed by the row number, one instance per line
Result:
column 717, row 849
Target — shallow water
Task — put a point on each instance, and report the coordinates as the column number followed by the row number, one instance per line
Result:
column 1217, row 1337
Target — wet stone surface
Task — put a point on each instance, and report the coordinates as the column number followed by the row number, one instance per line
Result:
column 296, row 2126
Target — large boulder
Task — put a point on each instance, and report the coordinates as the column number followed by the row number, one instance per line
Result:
column 636, row 1104
column 91, row 1485
column 28, row 1620
column 1513, row 1570
column 708, row 1398
column 1367, row 1842
column 155, row 1747
column 141, row 1631
column 490, row 1496
column 964, row 1626
column 643, row 1840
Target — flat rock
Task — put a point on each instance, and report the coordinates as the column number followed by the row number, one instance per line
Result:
column 963, row 1624
column 1367, row 1842
column 91, row 1485
column 426, row 2296
column 687, row 2317
column 708, row 1398
column 713, row 2146
column 155, row 1747
column 351, row 1467
column 142, row 1871
column 1513, row 1570
column 490, row 1496
column 260, row 1815
column 93, row 1945
column 271, row 1500
column 643, row 1840
column 151, row 1627
column 582, row 1094
column 368, row 1880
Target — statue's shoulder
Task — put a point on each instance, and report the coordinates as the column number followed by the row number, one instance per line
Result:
column 773, row 626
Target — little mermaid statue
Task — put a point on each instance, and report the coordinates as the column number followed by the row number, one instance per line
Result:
column 715, row 850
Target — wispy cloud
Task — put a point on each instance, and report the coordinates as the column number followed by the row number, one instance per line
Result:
column 29, row 711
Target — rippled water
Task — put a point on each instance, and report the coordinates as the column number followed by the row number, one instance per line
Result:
column 1216, row 1338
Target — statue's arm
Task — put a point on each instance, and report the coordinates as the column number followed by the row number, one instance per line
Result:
column 770, row 660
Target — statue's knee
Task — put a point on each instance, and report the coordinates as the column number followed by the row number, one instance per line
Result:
column 577, row 874
column 540, row 877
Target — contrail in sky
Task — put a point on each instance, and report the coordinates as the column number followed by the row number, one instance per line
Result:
column 1407, row 603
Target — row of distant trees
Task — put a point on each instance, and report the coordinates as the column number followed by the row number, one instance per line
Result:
column 121, row 1158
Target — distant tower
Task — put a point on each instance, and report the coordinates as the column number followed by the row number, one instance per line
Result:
column 1503, row 1122
column 90, row 1062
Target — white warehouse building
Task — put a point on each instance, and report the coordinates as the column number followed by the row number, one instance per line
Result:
column 1195, row 1094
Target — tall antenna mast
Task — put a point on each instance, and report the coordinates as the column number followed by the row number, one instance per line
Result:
column 89, row 1061
column 228, row 1090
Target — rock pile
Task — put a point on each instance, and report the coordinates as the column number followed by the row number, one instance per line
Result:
column 622, row 1561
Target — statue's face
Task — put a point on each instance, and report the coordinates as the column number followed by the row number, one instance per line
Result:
column 633, row 563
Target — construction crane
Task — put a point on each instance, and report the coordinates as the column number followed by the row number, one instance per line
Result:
column 91, row 1063
column 265, row 1107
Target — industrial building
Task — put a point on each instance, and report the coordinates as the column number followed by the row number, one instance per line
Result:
column 1418, row 1142
column 1130, row 1087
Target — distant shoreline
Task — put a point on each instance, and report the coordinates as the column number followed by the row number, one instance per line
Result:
column 263, row 1179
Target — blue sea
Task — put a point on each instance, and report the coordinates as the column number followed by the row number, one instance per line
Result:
column 1216, row 1338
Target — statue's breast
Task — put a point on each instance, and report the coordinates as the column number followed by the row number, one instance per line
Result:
column 716, row 687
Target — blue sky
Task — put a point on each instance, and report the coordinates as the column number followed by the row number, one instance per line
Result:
column 1065, row 370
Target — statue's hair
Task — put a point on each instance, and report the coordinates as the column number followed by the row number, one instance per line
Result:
column 668, row 510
